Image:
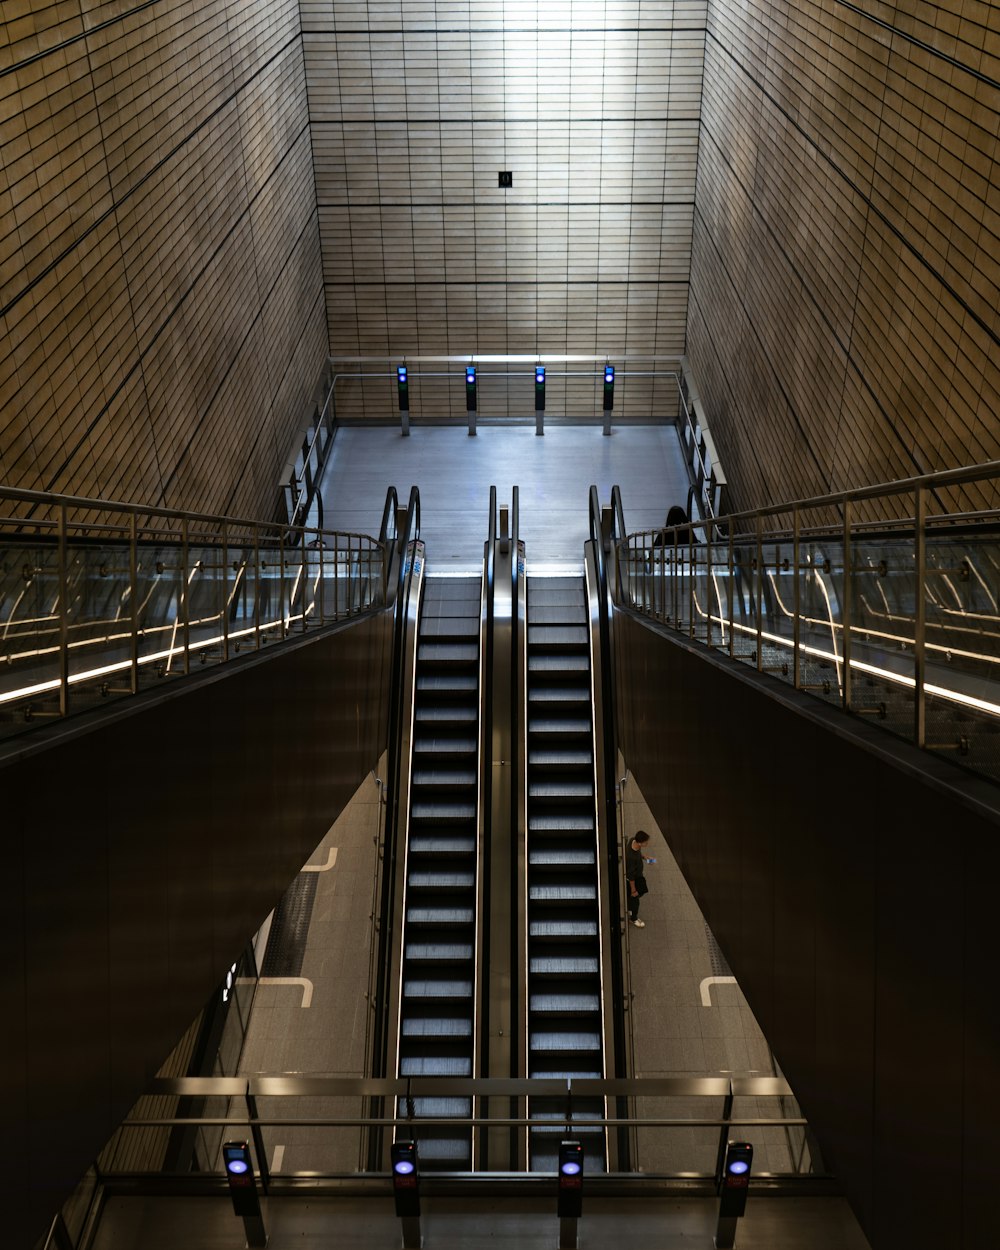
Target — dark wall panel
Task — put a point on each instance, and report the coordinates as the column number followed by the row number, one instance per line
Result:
column 140, row 854
column 845, row 877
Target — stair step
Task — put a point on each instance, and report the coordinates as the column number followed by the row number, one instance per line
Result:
column 444, row 1152
column 436, row 1108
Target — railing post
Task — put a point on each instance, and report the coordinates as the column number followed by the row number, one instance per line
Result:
column 675, row 575
column 186, row 595
column 730, row 596
column 225, row 591
column 336, row 581
column 759, row 596
column 322, row 571
column 796, row 603
column 133, row 594
column 304, row 578
column 920, row 618
column 281, row 583
column 846, row 606
column 691, row 571
column 256, row 587
column 63, row 569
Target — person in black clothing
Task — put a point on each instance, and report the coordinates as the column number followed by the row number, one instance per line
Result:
column 635, row 867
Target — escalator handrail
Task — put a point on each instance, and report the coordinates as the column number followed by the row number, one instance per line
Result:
column 389, row 516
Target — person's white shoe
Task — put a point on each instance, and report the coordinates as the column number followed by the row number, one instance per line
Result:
column 639, row 924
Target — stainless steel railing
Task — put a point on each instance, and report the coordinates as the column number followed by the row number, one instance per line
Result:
column 101, row 599
column 897, row 619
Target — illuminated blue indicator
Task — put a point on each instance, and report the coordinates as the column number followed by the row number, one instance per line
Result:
column 401, row 373
column 238, row 1166
column 609, row 373
column 738, row 1167
column 470, row 376
column 569, row 1168
column 403, row 1166
column 540, row 374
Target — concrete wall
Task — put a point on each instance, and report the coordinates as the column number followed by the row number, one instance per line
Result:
column 161, row 306
column 845, row 278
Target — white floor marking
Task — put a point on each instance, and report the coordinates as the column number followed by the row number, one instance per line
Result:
column 706, row 988
column 332, row 859
column 304, row 982
column 279, row 1158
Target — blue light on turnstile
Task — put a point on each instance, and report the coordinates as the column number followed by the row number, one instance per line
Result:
column 237, row 1167
column 738, row 1166
column 569, row 1168
column 403, row 1167
column 470, row 376
column 401, row 374
column 609, row 373
column 540, row 375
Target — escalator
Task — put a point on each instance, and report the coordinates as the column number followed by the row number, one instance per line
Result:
column 565, row 1035
column 438, row 980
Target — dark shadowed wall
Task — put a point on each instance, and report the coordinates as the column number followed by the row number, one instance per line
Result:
column 853, row 893
column 140, row 855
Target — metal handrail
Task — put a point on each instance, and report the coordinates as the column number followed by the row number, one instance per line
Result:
column 750, row 573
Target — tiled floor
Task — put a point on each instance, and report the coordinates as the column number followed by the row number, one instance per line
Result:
column 454, row 473
column 467, row 1224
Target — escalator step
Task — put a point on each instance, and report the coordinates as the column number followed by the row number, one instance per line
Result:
column 572, row 1043
column 565, row 1003
column 549, row 695
column 444, row 778
column 446, row 713
column 562, row 929
column 442, row 844
column 438, row 1151
column 555, row 637
column 435, row 1065
column 549, row 757
column 444, row 746
column 554, row 664
column 442, row 653
column 559, row 789
column 445, row 988
column 562, row 893
column 442, row 812
column 560, row 726
column 556, row 857
column 437, row 952
column 440, row 1107
column 447, row 684
column 436, row 879
column 449, row 1028
column 548, row 822
column 444, row 916
column 563, row 965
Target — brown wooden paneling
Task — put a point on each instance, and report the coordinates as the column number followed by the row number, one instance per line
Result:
column 847, row 203
column 157, row 196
